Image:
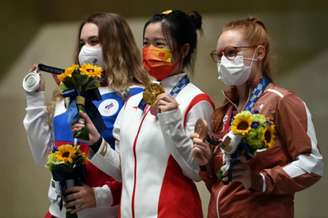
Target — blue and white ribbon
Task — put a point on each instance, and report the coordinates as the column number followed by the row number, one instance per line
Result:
column 256, row 93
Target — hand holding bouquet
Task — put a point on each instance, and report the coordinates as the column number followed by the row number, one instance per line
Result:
column 67, row 165
column 250, row 133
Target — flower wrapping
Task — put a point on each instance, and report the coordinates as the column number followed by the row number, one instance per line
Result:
column 79, row 85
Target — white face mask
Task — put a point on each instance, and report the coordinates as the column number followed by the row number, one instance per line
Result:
column 234, row 72
column 91, row 55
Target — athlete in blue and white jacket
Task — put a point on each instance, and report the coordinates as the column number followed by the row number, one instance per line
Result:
column 41, row 139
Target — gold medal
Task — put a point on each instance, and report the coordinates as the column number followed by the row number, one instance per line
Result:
column 151, row 92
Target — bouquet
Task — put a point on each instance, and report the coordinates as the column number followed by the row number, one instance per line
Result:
column 250, row 133
column 79, row 85
column 67, row 165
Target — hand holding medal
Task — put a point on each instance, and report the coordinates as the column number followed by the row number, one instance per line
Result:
column 201, row 150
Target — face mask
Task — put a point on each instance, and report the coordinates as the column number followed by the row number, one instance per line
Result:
column 234, row 72
column 91, row 55
column 158, row 62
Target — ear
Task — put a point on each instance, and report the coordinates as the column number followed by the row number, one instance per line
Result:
column 260, row 52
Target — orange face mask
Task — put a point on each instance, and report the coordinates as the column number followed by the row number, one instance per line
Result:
column 158, row 62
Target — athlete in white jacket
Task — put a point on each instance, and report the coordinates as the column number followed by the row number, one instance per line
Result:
column 153, row 156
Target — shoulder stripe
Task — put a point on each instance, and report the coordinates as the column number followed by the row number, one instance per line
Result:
column 194, row 101
column 276, row 92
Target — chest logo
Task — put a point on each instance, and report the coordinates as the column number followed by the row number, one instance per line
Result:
column 108, row 107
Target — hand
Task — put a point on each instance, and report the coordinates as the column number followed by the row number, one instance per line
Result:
column 201, row 151
column 80, row 197
column 93, row 132
column 242, row 173
column 166, row 102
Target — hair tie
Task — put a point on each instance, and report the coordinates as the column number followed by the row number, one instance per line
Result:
column 166, row 12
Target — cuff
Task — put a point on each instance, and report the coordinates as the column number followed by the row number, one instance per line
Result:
column 95, row 147
column 103, row 196
column 171, row 116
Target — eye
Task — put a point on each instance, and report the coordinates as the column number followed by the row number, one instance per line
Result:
column 230, row 52
column 94, row 41
column 160, row 44
column 145, row 43
column 81, row 43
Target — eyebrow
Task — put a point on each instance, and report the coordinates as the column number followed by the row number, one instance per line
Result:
column 90, row 37
column 157, row 38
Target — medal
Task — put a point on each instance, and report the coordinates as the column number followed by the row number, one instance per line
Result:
column 31, row 81
column 201, row 129
column 151, row 92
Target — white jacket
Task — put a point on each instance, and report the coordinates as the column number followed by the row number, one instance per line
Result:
column 153, row 155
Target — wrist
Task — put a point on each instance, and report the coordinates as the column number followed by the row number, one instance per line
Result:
column 95, row 146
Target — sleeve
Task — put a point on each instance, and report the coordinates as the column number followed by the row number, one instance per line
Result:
column 107, row 159
column 296, row 130
column 39, row 135
column 177, row 130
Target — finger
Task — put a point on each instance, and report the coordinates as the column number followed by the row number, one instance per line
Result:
column 77, row 209
column 73, row 189
column 203, row 149
column 86, row 117
column 194, row 136
column 203, row 146
column 77, row 126
column 73, row 204
column 199, row 156
column 163, row 96
column 72, row 197
column 33, row 67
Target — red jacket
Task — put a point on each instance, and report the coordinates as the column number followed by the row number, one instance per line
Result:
column 293, row 164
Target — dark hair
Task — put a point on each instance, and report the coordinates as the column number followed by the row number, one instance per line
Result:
column 179, row 28
column 120, row 51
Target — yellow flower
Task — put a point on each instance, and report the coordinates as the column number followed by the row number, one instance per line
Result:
column 91, row 70
column 269, row 136
column 241, row 123
column 68, row 72
column 66, row 153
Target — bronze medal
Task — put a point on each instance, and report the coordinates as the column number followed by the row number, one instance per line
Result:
column 201, row 128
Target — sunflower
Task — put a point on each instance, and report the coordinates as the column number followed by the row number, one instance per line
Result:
column 269, row 136
column 68, row 72
column 91, row 70
column 66, row 153
column 241, row 123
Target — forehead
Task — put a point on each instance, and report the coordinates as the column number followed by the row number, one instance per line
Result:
column 89, row 29
column 230, row 38
column 154, row 30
